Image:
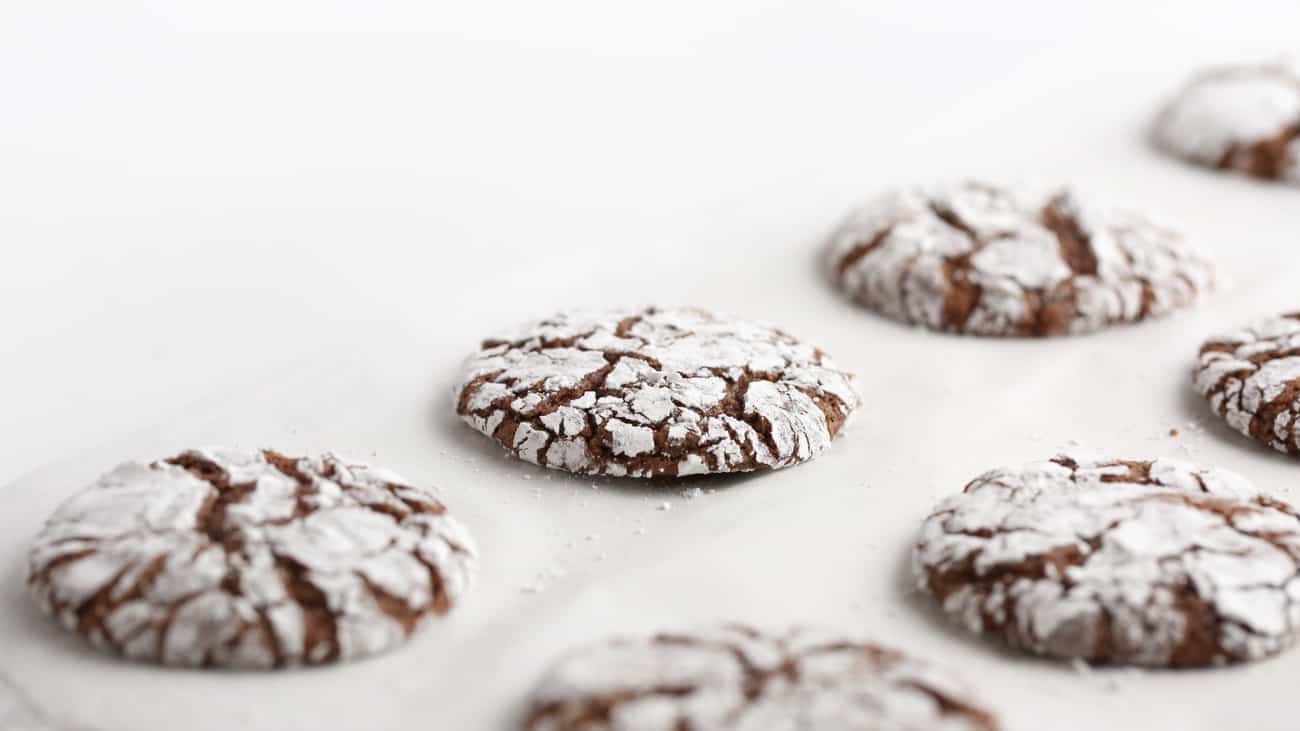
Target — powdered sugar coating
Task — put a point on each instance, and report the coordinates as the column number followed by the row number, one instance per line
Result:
column 654, row 392
column 1251, row 377
column 1245, row 119
column 1158, row 563
column 739, row 679
column 979, row 259
column 249, row 559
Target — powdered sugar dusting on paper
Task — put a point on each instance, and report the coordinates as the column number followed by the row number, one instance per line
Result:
column 654, row 392
column 1146, row 563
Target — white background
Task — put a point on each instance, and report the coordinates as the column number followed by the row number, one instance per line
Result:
column 284, row 224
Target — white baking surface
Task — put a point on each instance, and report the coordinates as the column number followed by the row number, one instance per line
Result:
column 285, row 224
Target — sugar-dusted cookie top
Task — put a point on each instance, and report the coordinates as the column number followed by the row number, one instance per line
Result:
column 1159, row 563
column 1245, row 118
column 735, row 678
column 1251, row 378
column 979, row 259
column 654, row 392
column 235, row 558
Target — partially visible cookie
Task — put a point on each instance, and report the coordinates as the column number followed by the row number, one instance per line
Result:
column 1158, row 563
column 654, row 392
column 232, row 558
column 1245, row 119
column 979, row 259
column 1251, row 377
column 734, row 678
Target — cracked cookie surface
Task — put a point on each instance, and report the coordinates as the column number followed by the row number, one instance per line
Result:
column 238, row 558
column 651, row 392
column 1251, row 378
column 740, row 679
column 1162, row 563
column 1245, row 119
column 978, row 259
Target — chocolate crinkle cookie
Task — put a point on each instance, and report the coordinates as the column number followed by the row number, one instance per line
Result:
column 1162, row 563
column 979, row 259
column 1244, row 118
column 734, row 678
column 232, row 558
column 651, row 392
column 1251, row 378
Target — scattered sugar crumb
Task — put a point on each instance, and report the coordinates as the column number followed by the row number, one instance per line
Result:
column 692, row 493
column 665, row 506
column 543, row 579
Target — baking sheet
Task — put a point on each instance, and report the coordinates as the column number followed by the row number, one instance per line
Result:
column 567, row 560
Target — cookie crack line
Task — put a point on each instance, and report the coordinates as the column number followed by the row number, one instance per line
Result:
column 211, row 517
column 249, row 559
column 654, row 393
column 977, row 259
column 1075, row 246
column 1268, row 159
column 1156, row 563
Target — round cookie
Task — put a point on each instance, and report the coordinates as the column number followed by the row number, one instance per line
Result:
column 1252, row 379
column 1245, row 119
column 734, row 678
column 978, row 259
column 654, row 392
column 233, row 558
column 1160, row 563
